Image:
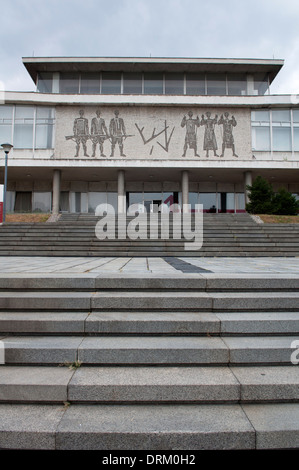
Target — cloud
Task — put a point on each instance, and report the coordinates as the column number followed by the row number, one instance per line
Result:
column 161, row 28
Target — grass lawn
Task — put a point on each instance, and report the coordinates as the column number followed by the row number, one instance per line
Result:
column 279, row 219
column 37, row 217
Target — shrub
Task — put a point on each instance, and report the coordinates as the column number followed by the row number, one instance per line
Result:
column 263, row 200
column 284, row 203
column 261, row 197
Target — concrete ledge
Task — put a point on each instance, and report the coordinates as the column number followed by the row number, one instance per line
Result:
column 153, row 384
column 151, row 323
column 243, row 323
column 151, row 301
column 41, row 350
column 262, row 384
column 260, row 350
column 45, row 301
column 146, row 427
column 34, row 384
column 29, row 426
column 152, row 350
column 277, row 426
column 42, row 322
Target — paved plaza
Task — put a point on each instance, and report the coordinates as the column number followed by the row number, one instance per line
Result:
column 156, row 266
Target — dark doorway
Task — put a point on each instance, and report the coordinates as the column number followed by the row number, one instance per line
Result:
column 222, row 202
column 23, row 202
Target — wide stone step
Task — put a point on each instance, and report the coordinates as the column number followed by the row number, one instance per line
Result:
column 25, row 384
column 147, row 427
column 149, row 301
column 197, row 282
column 150, row 323
column 147, row 253
column 148, row 350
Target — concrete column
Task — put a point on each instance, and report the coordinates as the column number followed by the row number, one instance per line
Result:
column 185, row 190
column 247, row 182
column 56, row 191
column 121, row 195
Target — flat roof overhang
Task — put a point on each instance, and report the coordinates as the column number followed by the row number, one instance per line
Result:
column 153, row 64
column 92, row 172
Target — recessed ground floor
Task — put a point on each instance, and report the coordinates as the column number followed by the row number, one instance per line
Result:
column 77, row 190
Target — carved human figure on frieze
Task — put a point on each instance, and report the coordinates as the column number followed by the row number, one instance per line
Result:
column 117, row 133
column 191, row 125
column 81, row 133
column 227, row 136
column 209, row 142
column 99, row 133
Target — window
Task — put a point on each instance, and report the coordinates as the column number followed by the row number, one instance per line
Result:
column 44, row 83
column 111, row 83
column 261, row 130
column 296, row 129
column 19, row 124
column 23, row 127
column 69, row 82
column 237, row 84
column 272, row 130
column 44, row 125
column 261, row 84
column 216, row 84
column 174, row 84
column 90, row 83
column 153, row 83
column 195, row 84
column 6, row 113
column 133, row 83
column 281, row 129
column 41, row 201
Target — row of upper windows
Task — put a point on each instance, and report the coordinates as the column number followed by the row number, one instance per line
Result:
column 275, row 130
column 153, row 83
column 27, row 127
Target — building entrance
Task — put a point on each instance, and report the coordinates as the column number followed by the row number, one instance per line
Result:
column 151, row 201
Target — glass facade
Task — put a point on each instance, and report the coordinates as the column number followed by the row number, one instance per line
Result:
column 154, row 83
column 275, row 130
column 27, row 127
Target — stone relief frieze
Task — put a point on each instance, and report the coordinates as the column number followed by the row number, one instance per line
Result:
column 162, row 133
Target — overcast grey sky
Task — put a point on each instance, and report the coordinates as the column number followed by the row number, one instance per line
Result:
column 142, row 28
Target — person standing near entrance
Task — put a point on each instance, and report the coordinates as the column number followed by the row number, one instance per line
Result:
column 117, row 133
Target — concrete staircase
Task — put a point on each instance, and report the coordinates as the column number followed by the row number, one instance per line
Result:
column 223, row 235
column 188, row 362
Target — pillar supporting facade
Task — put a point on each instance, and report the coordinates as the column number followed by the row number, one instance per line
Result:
column 185, row 190
column 247, row 182
column 56, row 191
column 121, row 194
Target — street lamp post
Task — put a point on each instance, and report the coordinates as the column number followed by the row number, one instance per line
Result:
column 6, row 148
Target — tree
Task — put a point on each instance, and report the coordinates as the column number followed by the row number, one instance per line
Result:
column 284, row 203
column 261, row 197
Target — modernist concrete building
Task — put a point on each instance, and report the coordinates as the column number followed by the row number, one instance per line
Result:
column 147, row 131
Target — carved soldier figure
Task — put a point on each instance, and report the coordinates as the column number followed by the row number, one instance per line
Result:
column 190, row 139
column 99, row 133
column 209, row 142
column 228, row 138
column 81, row 133
column 117, row 133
